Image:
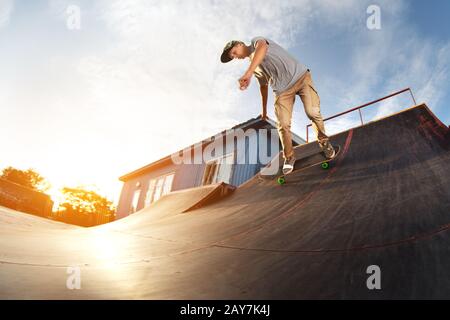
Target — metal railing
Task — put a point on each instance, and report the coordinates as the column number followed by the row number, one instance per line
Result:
column 362, row 106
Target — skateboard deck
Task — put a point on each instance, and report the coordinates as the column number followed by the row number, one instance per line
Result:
column 308, row 162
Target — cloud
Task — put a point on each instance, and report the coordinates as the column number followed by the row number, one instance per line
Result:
column 6, row 8
column 421, row 65
column 167, row 55
column 384, row 61
column 165, row 63
column 374, row 63
column 432, row 89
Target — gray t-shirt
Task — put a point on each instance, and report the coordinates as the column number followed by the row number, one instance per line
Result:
column 278, row 68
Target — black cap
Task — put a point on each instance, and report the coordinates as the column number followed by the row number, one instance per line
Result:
column 225, row 57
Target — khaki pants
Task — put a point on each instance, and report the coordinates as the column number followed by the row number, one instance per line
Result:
column 284, row 103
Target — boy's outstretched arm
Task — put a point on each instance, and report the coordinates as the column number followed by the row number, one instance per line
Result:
column 260, row 53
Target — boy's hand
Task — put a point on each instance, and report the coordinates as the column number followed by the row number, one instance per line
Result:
column 244, row 81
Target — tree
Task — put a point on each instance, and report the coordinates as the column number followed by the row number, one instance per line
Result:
column 29, row 178
column 85, row 207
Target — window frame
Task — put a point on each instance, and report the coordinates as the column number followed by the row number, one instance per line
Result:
column 218, row 164
column 149, row 199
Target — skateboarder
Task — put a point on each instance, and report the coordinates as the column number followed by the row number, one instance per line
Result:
column 271, row 64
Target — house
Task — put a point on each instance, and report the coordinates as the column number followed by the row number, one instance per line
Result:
column 232, row 156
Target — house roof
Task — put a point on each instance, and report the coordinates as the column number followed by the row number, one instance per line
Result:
column 253, row 122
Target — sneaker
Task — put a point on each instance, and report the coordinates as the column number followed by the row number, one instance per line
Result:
column 329, row 151
column 288, row 165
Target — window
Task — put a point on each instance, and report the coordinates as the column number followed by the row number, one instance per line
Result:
column 158, row 187
column 219, row 170
column 135, row 201
column 150, row 191
column 167, row 187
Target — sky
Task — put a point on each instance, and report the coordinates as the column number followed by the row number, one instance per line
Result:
column 84, row 101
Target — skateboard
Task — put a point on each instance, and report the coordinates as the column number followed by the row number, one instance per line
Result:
column 308, row 162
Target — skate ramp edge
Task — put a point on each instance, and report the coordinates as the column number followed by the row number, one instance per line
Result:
column 182, row 201
column 216, row 193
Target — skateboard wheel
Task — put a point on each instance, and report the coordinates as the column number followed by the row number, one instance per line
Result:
column 325, row 165
column 281, row 180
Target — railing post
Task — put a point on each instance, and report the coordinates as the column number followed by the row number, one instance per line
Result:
column 412, row 96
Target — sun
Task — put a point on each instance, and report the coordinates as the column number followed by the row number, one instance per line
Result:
column 56, row 195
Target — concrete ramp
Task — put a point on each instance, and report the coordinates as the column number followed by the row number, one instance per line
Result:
column 384, row 204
